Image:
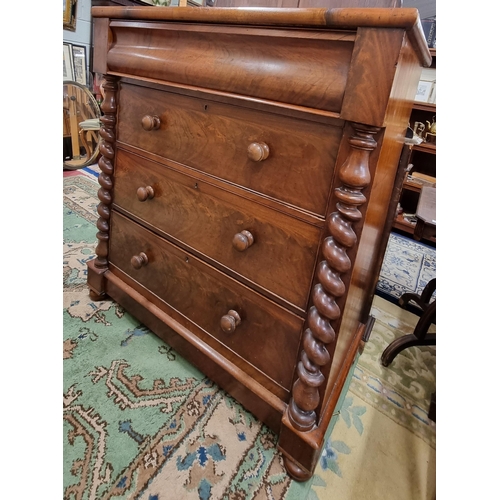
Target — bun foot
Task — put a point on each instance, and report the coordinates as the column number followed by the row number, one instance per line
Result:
column 296, row 472
column 96, row 297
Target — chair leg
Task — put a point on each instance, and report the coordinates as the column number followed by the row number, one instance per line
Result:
column 419, row 337
column 427, row 292
column 402, row 343
column 428, row 317
column 421, row 300
column 83, row 139
column 432, row 408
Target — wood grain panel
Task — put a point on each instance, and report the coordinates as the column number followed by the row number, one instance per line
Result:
column 256, row 3
column 371, row 75
column 202, row 294
column 307, row 3
column 333, row 18
column 207, row 218
column 348, row 3
column 257, row 65
column 259, row 399
column 101, row 44
column 215, row 137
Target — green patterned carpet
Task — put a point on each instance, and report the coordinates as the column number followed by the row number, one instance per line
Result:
column 141, row 422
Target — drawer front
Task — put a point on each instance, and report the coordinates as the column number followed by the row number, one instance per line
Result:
column 267, row 247
column 268, row 336
column 218, row 138
column 299, row 67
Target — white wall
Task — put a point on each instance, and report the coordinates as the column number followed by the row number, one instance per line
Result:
column 83, row 28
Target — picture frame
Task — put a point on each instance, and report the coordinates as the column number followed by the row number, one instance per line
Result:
column 68, row 70
column 423, row 91
column 69, row 15
column 79, row 64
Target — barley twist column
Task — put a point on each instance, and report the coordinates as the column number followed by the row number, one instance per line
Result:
column 107, row 150
column 354, row 176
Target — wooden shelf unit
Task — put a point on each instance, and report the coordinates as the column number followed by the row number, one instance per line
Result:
column 424, row 106
column 426, row 147
column 423, row 158
column 411, row 186
column 403, row 225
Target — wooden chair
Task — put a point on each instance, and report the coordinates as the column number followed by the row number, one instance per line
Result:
column 89, row 136
column 420, row 335
column 81, row 123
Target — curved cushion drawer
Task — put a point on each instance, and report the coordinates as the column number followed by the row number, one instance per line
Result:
column 215, row 138
column 281, row 256
column 202, row 294
column 304, row 68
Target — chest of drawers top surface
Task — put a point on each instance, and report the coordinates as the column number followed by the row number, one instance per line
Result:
column 297, row 57
column 247, row 161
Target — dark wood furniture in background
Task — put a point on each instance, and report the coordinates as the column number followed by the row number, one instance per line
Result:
column 248, row 161
column 426, row 309
column 420, row 335
column 423, row 160
column 425, row 228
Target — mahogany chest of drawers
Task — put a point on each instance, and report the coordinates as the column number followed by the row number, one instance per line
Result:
column 248, row 158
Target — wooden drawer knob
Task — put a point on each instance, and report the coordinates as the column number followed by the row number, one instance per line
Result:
column 145, row 193
column 230, row 321
column 138, row 261
column 243, row 240
column 258, row 151
column 150, row 122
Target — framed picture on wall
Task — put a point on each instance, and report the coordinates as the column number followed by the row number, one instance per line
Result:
column 68, row 72
column 423, row 91
column 80, row 64
column 69, row 15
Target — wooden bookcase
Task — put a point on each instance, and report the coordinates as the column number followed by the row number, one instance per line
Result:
column 420, row 161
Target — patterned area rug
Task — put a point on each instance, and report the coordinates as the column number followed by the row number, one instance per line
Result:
column 142, row 423
column 408, row 266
